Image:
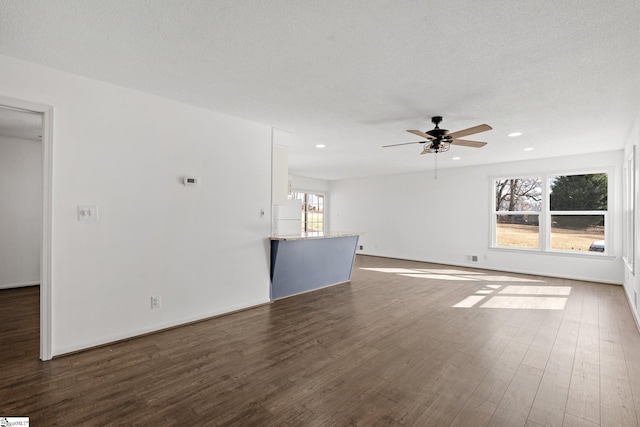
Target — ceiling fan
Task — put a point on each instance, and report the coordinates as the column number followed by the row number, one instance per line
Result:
column 440, row 139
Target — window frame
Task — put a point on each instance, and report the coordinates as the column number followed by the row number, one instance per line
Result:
column 304, row 214
column 629, row 210
column 495, row 213
column 545, row 214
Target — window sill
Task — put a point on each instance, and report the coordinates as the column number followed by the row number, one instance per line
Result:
column 586, row 254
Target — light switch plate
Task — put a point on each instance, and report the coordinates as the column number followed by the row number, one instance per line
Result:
column 156, row 302
column 87, row 213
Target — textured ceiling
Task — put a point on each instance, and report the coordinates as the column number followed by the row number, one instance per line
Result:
column 354, row 75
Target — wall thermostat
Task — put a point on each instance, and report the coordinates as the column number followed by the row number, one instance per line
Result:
column 191, row 181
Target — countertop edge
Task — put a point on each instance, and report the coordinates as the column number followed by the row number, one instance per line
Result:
column 304, row 236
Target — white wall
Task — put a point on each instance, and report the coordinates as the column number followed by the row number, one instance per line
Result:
column 309, row 184
column 20, row 211
column 414, row 216
column 203, row 250
column 631, row 282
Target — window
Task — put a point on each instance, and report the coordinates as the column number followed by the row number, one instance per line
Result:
column 518, row 203
column 312, row 213
column 552, row 213
column 578, row 207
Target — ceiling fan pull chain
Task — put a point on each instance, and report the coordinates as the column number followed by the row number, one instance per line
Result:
column 435, row 156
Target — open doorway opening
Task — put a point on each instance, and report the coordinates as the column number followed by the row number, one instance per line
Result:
column 25, row 147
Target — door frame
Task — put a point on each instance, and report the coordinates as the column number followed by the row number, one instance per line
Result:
column 45, row 240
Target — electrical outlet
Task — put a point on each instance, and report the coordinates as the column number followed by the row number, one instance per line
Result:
column 361, row 247
column 87, row 213
column 156, row 302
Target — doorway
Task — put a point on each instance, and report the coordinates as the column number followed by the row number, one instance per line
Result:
column 25, row 181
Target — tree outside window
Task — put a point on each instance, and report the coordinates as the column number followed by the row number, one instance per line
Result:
column 517, row 205
column 578, row 205
column 556, row 212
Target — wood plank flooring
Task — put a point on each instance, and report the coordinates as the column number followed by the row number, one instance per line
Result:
column 403, row 344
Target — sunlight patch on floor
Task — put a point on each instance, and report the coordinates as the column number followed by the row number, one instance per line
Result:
column 528, row 302
column 507, row 279
column 390, row 270
column 519, row 297
column 536, row 290
column 494, row 295
column 446, row 271
column 429, row 273
column 438, row 277
column 469, row 301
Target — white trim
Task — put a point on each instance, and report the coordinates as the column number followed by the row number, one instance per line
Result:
column 629, row 209
column 47, row 191
column 46, row 343
column 583, row 254
column 545, row 213
column 19, row 285
column 111, row 339
column 516, row 271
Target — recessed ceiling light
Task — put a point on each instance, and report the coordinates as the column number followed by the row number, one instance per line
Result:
column 456, row 158
column 320, row 145
column 529, row 149
column 512, row 134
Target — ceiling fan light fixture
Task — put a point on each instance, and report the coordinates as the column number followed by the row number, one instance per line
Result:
column 514, row 134
column 437, row 148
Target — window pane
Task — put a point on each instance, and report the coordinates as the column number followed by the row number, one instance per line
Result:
column 314, row 222
column 519, row 231
column 577, row 232
column 578, row 192
column 312, row 213
column 518, row 194
column 315, row 216
column 313, row 201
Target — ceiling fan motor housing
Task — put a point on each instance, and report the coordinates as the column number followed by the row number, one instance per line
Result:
column 437, row 133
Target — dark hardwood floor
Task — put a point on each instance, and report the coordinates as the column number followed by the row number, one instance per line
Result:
column 403, row 344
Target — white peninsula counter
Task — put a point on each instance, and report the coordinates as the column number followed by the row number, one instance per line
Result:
column 307, row 261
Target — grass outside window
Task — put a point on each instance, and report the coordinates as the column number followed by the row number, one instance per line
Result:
column 551, row 213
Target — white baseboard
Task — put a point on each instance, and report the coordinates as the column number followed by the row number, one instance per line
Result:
column 57, row 352
column 506, row 270
column 19, row 285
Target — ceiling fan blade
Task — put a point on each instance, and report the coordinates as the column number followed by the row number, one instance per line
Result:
column 420, row 133
column 404, row 143
column 470, row 131
column 467, row 143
